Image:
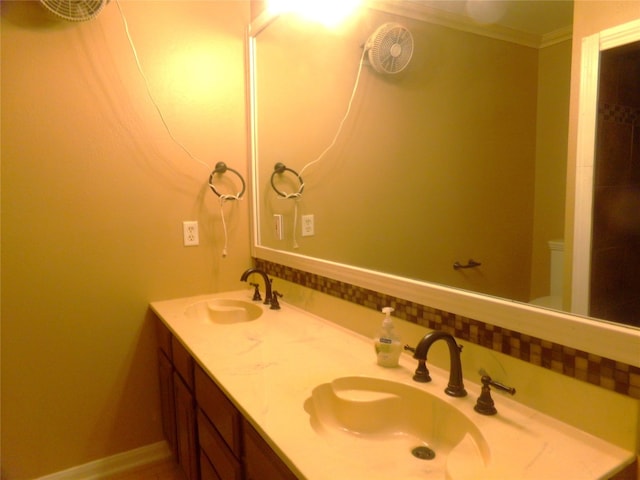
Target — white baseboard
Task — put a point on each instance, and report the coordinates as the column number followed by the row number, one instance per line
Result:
column 115, row 464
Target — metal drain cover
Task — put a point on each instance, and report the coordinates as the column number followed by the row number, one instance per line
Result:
column 423, row 453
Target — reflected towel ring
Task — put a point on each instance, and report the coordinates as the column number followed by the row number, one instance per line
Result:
column 280, row 168
column 221, row 168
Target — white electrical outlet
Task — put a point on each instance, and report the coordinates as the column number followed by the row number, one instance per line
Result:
column 190, row 233
column 308, row 225
column 278, row 226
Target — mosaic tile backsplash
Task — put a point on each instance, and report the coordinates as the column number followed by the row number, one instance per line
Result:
column 607, row 373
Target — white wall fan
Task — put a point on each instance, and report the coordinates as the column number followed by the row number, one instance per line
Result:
column 74, row 10
column 390, row 48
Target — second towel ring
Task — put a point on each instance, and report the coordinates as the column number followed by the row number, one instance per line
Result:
column 280, row 168
column 221, row 168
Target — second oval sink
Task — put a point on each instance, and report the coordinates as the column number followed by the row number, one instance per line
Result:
column 224, row 310
column 395, row 430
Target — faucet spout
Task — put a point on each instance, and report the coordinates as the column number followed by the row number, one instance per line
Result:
column 455, row 388
column 267, row 282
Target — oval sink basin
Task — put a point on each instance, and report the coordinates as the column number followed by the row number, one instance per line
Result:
column 394, row 430
column 224, row 310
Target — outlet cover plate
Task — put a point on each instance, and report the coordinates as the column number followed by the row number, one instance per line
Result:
column 190, row 234
column 308, row 225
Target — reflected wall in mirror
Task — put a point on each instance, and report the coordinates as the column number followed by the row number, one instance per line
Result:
column 461, row 156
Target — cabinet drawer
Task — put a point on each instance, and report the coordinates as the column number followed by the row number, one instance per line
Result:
column 261, row 462
column 182, row 362
column 221, row 412
column 164, row 337
column 225, row 464
column 207, row 472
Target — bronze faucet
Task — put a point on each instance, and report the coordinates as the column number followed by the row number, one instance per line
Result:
column 267, row 283
column 455, row 388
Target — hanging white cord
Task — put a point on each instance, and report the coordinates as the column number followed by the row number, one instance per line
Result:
column 297, row 195
column 344, row 119
column 146, row 83
column 223, row 198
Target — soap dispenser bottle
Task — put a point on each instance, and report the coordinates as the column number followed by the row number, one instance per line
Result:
column 387, row 343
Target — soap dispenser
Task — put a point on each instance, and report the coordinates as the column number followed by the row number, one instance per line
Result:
column 387, row 343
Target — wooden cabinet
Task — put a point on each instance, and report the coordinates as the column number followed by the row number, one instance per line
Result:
column 165, row 373
column 218, row 428
column 182, row 362
column 207, row 472
column 177, row 401
column 208, row 435
column 261, row 463
column 214, row 449
column 185, row 414
column 167, row 401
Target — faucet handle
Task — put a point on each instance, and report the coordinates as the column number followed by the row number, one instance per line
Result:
column 422, row 372
column 410, row 348
column 275, row 305
column 256, row 292
column 485, row 404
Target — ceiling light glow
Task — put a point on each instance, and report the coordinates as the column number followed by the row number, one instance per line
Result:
column 327, row 12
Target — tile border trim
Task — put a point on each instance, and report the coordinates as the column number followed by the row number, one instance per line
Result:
column 604, row 372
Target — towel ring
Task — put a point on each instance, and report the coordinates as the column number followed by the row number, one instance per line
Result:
column 221, row 168
column 280, row 168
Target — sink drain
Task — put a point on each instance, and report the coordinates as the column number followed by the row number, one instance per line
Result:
column 423, row 453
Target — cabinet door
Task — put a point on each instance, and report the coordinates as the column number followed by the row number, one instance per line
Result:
column 164, row 338
column 182, row 362
column 221, row 412
column 207, row 472
column 222, row 459
column 167, row 403
column 261, row 462
column 186, row 428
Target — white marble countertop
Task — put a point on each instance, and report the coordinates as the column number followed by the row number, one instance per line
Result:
column 269, row 366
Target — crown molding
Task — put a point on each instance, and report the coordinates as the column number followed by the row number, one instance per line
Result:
column 463, row 23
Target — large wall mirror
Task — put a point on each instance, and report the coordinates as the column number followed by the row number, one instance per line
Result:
column 399, row 181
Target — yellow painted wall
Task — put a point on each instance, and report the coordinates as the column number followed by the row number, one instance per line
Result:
column 94, row 193
column 552, row 124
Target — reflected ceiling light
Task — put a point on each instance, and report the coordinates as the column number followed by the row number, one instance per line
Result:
column 486, row 11
column 328, row 12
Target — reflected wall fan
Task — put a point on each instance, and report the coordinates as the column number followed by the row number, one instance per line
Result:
column 390, row 48
column 74, row 10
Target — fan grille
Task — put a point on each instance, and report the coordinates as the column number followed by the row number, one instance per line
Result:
column 74, row 10
column 390, row 48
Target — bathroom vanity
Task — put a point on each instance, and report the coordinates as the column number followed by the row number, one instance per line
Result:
column 254, row 393
column 208, row 435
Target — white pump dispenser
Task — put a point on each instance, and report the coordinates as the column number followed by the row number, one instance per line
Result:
column 387, row 343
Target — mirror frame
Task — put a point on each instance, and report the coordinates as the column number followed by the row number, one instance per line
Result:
column 602, row 338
